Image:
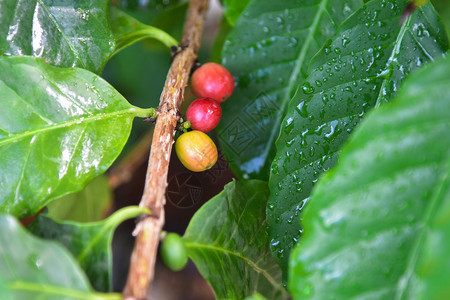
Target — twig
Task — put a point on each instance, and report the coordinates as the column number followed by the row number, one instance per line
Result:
column 149, row 228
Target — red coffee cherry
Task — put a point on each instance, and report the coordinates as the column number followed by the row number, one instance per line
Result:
column 196, row 151
column 204, row 114
column 213, row 81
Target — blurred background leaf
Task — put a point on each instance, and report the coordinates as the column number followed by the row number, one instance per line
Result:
column 87, row 205
column 90, row 243
column 31, row 268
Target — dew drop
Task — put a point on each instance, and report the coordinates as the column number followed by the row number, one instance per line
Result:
column 290, row 143
column 345, row 42
column 307, row 88
column 275, row 169
column 301, row 108
column 289, row 125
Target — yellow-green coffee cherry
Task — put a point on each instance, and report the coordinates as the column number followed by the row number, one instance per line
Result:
column 196, row 151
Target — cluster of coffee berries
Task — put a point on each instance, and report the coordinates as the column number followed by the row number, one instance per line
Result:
column 213, row 84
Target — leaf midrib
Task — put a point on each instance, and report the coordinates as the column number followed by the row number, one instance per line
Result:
column 130, row 111
column 295, row 72
column 253, row 265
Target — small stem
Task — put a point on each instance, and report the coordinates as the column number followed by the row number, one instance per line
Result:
column 146, row 113
column 184, row 126
column 148, row 229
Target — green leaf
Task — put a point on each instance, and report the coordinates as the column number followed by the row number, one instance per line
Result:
column 228, row 242
column 128, row 31
column 372, row 219
column 31, row 268
column 430, row 266
column 88, row 205
column 65, row 33
column 268, row 52
column 233, row 9
column 444, row 11
column 360, row 67
column 90, row 243
column 59, row 129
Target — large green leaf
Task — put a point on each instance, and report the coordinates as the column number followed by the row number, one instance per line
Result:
column 372, row 220
column 361, row 66
column 59, row 128
column 228, row 242
column 90, row 243
column 128, row 31
column 268, row 52
column 65, row 33
column 31, row 268
column 87, row 205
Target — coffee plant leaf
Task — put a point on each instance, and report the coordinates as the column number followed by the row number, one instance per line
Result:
column 228, row 241
column 89, row 243
column 128, row 31
column 377, row 224
column 64, row 33
column 59, row 129
column 361, row 67
column 268, row 53
column 32, row 268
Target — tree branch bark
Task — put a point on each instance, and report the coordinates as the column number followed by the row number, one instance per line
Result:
column 148, row 229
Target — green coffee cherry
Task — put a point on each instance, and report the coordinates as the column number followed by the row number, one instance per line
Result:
column 173, row 252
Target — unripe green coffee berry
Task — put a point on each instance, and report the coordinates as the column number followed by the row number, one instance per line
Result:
column 173, row 252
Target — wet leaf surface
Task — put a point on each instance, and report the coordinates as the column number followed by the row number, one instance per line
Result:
column 377, row 223
column 359, row 68
column 64, row 33
column 59, row 129
column 268, row 53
